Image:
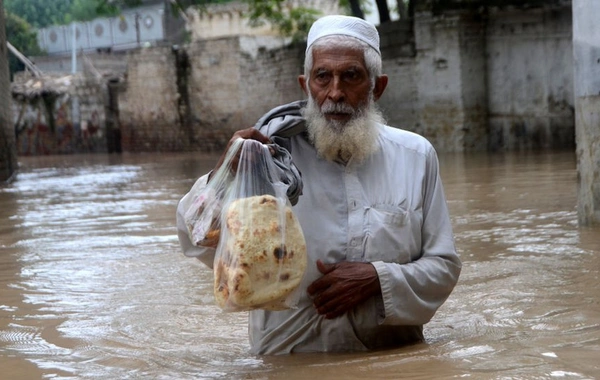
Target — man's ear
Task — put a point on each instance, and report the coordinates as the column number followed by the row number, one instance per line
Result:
column 380, row 85
column 302, row 82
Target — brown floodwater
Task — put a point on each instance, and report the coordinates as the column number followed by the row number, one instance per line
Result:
column 93, row 285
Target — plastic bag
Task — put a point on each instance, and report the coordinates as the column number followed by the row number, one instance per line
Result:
column 260, row 257
column 203, row 217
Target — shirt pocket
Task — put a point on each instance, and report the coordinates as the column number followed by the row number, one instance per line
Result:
column 392, row 234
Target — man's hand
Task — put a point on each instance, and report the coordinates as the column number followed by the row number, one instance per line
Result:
column 249, row 133
column 343, row 286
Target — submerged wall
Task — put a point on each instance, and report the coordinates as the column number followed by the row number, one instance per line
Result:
column 530, row 79
column 58, row 114
column 496, row 81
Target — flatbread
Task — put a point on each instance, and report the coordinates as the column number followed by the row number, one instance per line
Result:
column 263, row 257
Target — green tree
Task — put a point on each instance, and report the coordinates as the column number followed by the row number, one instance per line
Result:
column 289, row 21
column 111, row 7
column 43, row 13
column 23, row 37
column 39, row 13
column 86, row 10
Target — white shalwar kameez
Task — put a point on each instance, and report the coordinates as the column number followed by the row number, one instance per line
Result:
column 389, row 210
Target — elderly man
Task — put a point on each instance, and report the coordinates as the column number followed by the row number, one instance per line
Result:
column 381, row 255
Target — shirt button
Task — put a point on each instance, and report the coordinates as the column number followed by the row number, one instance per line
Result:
column 353, row 242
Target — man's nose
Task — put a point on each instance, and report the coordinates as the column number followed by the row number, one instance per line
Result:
column 336, row 92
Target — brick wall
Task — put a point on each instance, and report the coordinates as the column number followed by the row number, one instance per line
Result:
column 231, row 82
column 148, row 108
column 269, row 78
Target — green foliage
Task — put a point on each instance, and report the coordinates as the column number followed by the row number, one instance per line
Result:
column 289, row 21
column 23, row 37
column 86, row 10
column 43, row 13
column 113, row 7
column 39, row 13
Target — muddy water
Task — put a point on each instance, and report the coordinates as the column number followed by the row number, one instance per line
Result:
column 92, row 283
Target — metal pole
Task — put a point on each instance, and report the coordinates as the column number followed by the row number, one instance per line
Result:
column 74, row 101
column 34, row 70
column 74, row 49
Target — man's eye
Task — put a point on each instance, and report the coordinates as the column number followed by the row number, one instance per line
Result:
column 351, row 75
column 322, row 76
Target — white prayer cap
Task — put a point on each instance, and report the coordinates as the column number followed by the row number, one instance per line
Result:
column 344, row 25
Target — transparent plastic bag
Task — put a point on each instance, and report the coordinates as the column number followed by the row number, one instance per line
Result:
column 203, row 216
column 260, row 257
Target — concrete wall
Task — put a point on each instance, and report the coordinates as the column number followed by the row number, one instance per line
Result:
column 498, row 83
column 586, row 53
column 438, row 69
column 8, row 157
column 439, row 90
column 530, row 79
column 451, row 101
column 399, row 101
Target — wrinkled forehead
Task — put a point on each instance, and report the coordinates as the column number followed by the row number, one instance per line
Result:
column 338, row 58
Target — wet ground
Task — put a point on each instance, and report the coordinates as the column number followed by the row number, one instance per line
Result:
column 93, row 285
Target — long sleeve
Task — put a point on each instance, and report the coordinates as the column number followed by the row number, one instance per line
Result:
column 413, row 292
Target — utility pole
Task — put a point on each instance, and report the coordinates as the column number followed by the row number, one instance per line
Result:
column 8, row 146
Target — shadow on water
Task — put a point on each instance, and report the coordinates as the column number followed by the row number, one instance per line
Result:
column 93, row 285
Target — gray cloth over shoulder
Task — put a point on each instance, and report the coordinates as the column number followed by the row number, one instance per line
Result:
column 279, row 124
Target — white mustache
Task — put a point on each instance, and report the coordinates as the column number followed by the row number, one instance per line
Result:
column 331, row 107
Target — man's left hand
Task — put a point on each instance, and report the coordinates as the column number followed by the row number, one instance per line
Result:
column 343, row 286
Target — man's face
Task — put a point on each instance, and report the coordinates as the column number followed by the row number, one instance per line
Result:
column 339, row 83
column 340, row 113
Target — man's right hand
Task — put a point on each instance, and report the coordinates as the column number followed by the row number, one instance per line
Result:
column 249, row 134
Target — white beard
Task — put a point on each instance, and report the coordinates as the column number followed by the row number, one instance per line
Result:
column 338, row 141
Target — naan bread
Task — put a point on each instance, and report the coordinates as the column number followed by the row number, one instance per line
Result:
column 263, row 257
